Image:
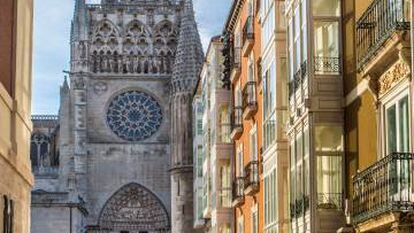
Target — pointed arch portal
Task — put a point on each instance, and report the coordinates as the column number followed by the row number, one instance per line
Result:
column 134, row 209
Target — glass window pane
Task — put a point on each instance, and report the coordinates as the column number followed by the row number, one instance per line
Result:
column 391, row 130
column 404, row 124
column 329, row 151
column 326, row 47
column 326, row 7
column 329, row 175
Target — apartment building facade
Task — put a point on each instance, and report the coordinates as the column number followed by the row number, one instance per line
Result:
column 16, row 180
column 242, row 52
column 315, row 128
column 378, row 130
column 273, row 88
column 213, row 153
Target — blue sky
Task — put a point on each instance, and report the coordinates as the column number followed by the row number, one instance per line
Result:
column 51, row 44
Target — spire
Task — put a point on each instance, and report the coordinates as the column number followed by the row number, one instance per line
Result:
column 189, row 57
column 78, row 30
column 64, row 89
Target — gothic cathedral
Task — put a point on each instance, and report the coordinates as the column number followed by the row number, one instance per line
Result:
column 118, row 157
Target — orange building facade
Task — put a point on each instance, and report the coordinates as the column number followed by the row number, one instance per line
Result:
column 243, row 47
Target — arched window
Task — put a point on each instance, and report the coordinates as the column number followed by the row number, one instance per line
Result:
column 39, row 151
column 223, row 125
column 104, row 46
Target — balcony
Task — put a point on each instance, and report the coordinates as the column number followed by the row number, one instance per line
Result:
column 236, row 65
column 236, row 123
column 252, row 179
column 249, row 100
column 298, row 79
column 327, row 65
column 299, row 207
column 380, row 22
column 248, row 36
column 384, row 189
column 238, row 191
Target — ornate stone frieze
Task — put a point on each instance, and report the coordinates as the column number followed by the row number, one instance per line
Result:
column 134, row 208
column 400, row 70
column 139, row 49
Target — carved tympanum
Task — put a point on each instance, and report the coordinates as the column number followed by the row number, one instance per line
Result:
column 134, row 208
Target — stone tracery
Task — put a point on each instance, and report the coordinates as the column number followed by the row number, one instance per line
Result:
column 141, row 50
column 134, row 208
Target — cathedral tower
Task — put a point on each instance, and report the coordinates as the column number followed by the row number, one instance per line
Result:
column 186, row 71
column 125, row 161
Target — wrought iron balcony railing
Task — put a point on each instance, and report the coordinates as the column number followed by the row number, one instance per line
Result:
column 330, row 201
column 377, row 25
column 252, row 178
column 236, row 58
column 237, row 117
column 249, row 94
column 384, row 187
column 236, row 122
column 248, row 29
column 238, row 191
column 249, row 97
column 299, row 207
column 327, row 65
column 298, row 78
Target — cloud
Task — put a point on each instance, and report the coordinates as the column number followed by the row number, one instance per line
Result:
column 52, row 51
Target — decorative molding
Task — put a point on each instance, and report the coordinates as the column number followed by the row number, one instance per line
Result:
column 399, row 71
column 135, row 208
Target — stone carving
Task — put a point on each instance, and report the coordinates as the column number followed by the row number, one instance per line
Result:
column 141, row 49
column 397, row 72
column 78, row 82
column 135, row 208
column 100, row 87
column 134, row 116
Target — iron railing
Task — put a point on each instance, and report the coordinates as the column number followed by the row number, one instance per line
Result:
column 248, row 29
column 299, row 207
column 249, row 95
column 298, row 78
column 236, row 58
column 330, row 201
column 251, row 172
column 386, row 186
column 381, row 19
column 327, row 65
column 238, row 188
column 237, row 118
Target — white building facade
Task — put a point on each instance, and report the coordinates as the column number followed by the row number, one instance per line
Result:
column 213, row 163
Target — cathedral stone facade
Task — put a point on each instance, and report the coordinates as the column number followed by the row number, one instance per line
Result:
column 118, row 157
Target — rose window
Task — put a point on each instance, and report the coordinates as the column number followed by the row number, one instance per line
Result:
column 134, row 116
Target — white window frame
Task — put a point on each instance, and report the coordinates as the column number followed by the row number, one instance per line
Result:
column 393, row 99
column 253, row 144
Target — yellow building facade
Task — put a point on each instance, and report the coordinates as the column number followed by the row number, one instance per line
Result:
column 378, row 104
column 16, row 178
